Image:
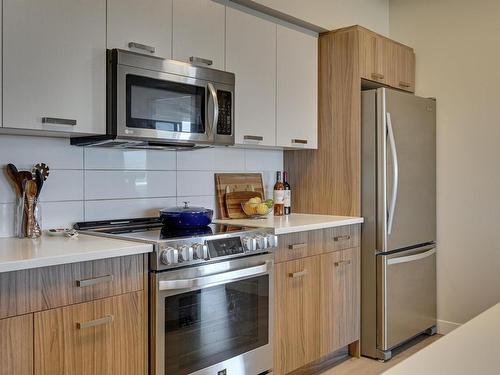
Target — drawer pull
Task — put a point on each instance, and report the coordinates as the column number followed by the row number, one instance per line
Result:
column 296, row 275
column 342, row 263
column 297, row 246
column 199, row 60
column 404, row 84
column 143, row 47
column 253, row 138
column 300, row 141
column 377, row 76
column 342, row 238
column 98, row 322
column 58, row 121
column 94, row 281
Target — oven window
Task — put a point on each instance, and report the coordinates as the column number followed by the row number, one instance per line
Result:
column 164, row 105
column 211, row 325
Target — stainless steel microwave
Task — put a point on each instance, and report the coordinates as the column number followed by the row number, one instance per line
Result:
column 158, row 103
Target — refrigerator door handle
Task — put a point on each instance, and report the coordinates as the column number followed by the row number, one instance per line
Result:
column 395, row 173
column 412, row 258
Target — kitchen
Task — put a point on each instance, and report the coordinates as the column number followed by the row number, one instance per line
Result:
column 286, row 86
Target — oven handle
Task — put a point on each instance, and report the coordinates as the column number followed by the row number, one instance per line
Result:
column 216, row 278
column 213, row 94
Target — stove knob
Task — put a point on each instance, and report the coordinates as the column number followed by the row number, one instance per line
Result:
column 272, row 240
column 262, row 242
column 200, row 251
column 169, row 256
column 185, row 253
column 250, row 243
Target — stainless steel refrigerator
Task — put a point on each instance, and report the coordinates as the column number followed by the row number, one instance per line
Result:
column 399, row 233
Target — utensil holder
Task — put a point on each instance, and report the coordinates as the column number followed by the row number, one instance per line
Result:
column 28, row 221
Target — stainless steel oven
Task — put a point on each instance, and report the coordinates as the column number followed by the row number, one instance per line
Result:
column 158, row 102
column 214, row 319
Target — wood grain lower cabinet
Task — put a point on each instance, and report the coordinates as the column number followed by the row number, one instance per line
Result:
column 16, row 345
column 103, row 337
column 297, row 315
column 340, row 299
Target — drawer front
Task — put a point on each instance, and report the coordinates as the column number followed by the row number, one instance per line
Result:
column 49, row 287
column 341, row 238
column 299, row 245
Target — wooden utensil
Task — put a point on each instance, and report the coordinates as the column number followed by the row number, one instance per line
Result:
column 234, row 201
column 44, row 169
column 39, row 182
column 235, row 182
column 31, row 191
column 14, row 177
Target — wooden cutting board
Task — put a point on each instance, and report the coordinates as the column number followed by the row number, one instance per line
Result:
column 235, row 182
column 235, row 199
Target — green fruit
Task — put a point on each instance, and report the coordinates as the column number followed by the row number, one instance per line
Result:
column 269, row 203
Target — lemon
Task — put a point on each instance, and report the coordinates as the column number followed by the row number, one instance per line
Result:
column 255, row 200
column 262, row 209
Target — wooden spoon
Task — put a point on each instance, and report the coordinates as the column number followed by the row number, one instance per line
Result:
column 31, row 192
column 13, row 174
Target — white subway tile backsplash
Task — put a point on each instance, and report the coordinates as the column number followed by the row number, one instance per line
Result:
column 195, row 183
column 102, row 158
column 197, row 201
column 63, row 185
column 263, row 160
column 129, row 184
column 6, row 219
column 24, row 152
column 210, row 159
column 125, row 208
column 61, row 214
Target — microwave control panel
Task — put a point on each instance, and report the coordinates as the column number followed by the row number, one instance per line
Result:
column 225, row 123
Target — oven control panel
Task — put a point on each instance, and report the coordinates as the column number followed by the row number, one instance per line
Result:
column 213, row 248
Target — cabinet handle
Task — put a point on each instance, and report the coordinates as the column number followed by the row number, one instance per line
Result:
column 199, row 60
column 300, row 141
column 296, row 275
column 144, row 47
column 377, row 76
column 94, row 281
column 342, row 238
column 404, row 84
column 98, row 322
column 58, row 121
column 342, row 263
column 297, row 246
column 253, row 138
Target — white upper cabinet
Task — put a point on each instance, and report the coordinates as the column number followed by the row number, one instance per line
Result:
column 297, row 96
column 251, row 55
column 198, row 32
column 54, row 65
column 143, row 26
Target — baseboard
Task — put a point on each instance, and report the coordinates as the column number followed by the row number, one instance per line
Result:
column 444, row 327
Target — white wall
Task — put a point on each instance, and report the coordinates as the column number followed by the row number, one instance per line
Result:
column 458, row 59
column 98, row 183
column 334, row 14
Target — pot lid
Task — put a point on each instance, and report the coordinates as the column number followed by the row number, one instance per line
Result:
column 186, row 208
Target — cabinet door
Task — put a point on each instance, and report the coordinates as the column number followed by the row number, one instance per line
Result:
column 251, row 55
column 16, row 345
column 146, row 23
column 404, row 61
column 297, row 94
column 297, row 315
column 104, row 337
column 54, row 56
column 199, row 27
column 374, row 63
column 340, row 299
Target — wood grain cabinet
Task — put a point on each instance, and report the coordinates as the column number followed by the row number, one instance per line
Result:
column 103, row 337
column 198, row 32
column 142, row 26
column 16, row 345
column 317, row 290
column 54, row 65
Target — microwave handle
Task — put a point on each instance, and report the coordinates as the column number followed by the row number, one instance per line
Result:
column 213, row 94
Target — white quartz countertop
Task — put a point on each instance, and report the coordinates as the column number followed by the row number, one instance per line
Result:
column 472, row 348
column 19, row 254
column 295, row 222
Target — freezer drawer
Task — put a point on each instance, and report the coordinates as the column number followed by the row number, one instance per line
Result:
column 406, row 295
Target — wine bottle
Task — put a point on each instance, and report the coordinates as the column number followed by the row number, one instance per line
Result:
column 287, row 201
column 279, row 196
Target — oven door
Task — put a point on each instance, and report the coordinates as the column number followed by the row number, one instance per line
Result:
column 214, row 318
column 160, row 106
